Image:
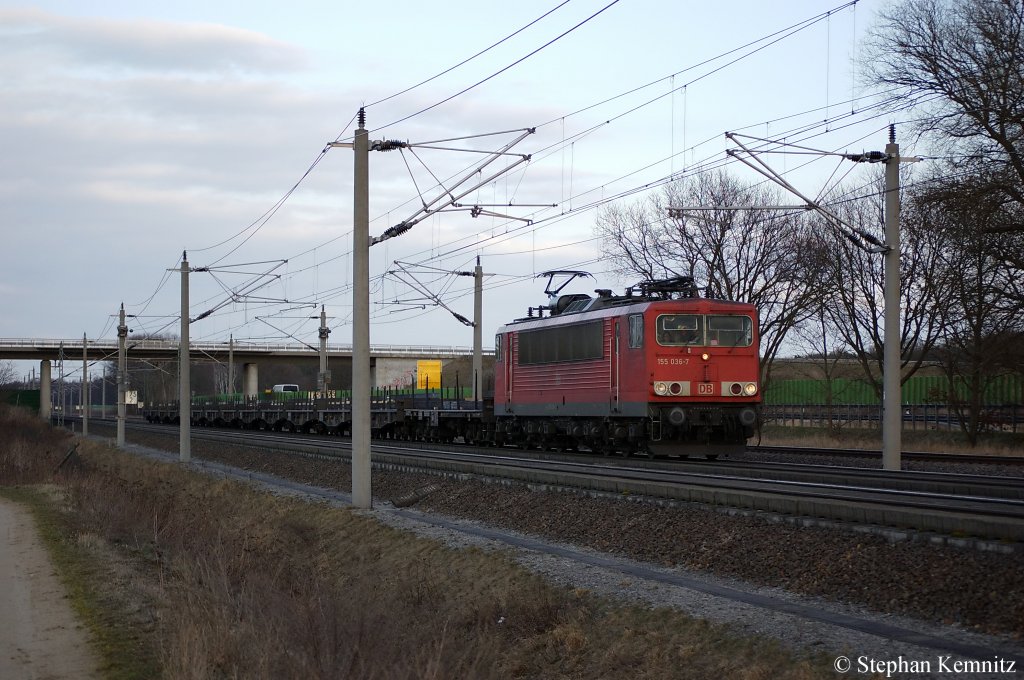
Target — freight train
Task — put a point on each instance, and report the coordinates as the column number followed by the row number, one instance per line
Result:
column 657, row 371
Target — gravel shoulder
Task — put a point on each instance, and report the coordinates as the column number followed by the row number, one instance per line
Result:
column 39, row 635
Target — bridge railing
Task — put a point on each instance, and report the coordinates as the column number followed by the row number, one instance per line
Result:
column 72, row 346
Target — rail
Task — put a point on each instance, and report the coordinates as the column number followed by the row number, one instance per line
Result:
column 856, row 501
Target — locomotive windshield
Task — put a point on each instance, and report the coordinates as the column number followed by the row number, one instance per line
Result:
column 730, row 331
column 705, row 331
column 680, row 329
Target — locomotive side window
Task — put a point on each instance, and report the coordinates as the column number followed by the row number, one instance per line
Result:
column 636, row 330
column 497, row 348
column 730, row 331
column 680, row 329
column 578, row 342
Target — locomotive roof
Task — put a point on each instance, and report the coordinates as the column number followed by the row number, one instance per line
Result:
column 603, row 307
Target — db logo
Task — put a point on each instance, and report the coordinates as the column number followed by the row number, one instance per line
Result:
column 705, row 388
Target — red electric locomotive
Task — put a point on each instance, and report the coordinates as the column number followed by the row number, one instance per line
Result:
column 657, row 371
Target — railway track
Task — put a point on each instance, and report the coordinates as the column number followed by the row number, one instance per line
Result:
column 950, row 504
column 867, row 454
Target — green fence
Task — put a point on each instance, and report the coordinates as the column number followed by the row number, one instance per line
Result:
column 1004, row 390
column 24, row 398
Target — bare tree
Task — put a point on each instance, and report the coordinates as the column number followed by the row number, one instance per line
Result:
column 825, row 353
column 961, row 63
column 982, row 329
column 995, row 215
column 631, row 237
column 855, row 283
column 750, row 255
column 8, row 376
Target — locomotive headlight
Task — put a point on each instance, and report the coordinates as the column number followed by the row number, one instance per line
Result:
column 661, row 388
column 705, row 356
column 750, row 389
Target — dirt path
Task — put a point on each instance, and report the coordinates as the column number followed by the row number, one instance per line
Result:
column 39, row 636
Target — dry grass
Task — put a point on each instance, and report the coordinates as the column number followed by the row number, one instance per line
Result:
column 31, row 450
column 242, row 584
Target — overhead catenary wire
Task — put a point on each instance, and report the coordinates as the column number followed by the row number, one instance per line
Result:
column 256, row 225
column 442, row 251
column 163, row 281
column 259, row 222
column 702, row 166
column 499, row 71
column 471, row 58
column 344, row 288
column 541, row 222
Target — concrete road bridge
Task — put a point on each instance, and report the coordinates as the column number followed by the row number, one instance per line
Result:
column 387, row 361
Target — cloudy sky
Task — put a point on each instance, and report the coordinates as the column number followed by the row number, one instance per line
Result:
column 133, row 131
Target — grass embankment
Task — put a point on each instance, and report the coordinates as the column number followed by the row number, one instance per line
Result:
column 186, row 577
column 948, row 441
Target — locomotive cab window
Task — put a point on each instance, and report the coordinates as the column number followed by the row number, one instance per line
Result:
column 680, row 329
column 730, row 331
column 636, row 330
column 497, row 348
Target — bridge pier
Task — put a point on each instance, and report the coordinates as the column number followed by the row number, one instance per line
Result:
column 44, row 389
column 393, row 372
column 250, row 380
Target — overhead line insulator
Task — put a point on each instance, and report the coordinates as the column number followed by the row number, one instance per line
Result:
column 388, row 145
column 868, row 157
column 391, row 232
